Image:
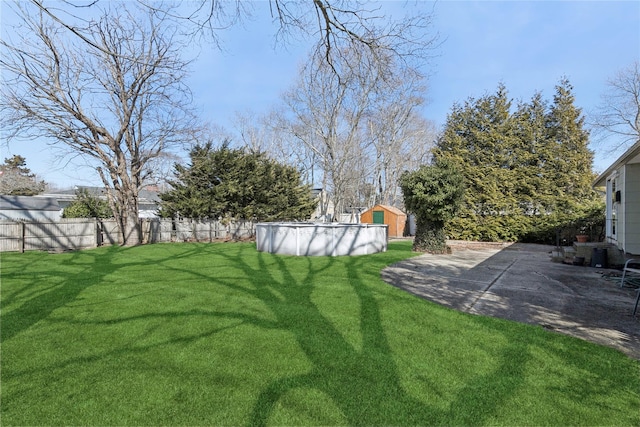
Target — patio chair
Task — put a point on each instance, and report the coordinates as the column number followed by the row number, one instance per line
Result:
column 631, row 273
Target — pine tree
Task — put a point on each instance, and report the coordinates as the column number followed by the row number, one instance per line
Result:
column 18, row 180
column 480, row 138
column 572, row 159
column 568, row 170
column 527, row 173
column 530, row 120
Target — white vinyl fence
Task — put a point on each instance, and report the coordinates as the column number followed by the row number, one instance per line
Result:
column 82, row 233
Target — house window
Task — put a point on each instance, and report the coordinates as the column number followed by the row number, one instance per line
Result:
column 613, row 223
column 613, row 203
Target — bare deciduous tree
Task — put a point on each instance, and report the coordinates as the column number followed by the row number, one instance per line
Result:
column 116, row 94
column 327, row 113
column 335, row 24
column 160, row 171
column 270, row 134
column 401, row 139
column 360, row 124
column 253, row 131
column 618, row 115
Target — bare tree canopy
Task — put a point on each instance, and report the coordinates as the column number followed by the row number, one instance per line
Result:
column 618, row 115
column 334, row 24
column 116, row 94
column 359, row 128
column 353, row 24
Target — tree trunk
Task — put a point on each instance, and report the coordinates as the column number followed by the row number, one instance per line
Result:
column 130, row 228
column 430, row 237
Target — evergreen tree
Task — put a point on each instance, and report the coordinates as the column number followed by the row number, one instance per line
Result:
column 530, row 121
column 527, row 173
column 231, row 183
column 572, row 158
column 18, row 180
column 480, row 138
column 433, row 194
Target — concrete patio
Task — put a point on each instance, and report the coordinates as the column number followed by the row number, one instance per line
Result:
column 520, row 282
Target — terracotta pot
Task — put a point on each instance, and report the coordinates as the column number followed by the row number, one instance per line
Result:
column 582, row 238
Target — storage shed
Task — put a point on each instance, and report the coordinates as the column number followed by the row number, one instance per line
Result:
column 383, row 214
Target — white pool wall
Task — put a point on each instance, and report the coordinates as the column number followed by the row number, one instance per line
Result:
column 320, row 239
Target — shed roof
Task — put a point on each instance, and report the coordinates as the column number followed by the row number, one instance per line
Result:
column 21, row 203
column 389, row 208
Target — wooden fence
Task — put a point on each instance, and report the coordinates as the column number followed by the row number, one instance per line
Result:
column 82, row 233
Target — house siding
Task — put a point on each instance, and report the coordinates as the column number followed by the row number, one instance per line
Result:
column 632, row 208
column 625, row 172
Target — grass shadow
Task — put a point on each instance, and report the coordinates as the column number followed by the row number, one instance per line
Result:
column 365, row 383
column 349, row 341
column 67, row 286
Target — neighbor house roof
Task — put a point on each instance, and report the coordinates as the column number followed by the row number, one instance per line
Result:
column 21, row 203
column 632, row 155
column 144, row 196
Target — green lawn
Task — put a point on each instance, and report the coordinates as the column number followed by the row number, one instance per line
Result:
column 219, row 334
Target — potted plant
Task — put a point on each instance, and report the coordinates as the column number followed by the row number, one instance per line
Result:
column 582, row 231
column 582, row 238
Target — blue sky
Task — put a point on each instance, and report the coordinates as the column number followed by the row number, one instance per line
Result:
column 528, row 46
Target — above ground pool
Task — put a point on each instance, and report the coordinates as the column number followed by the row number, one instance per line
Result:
column 321, row 239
